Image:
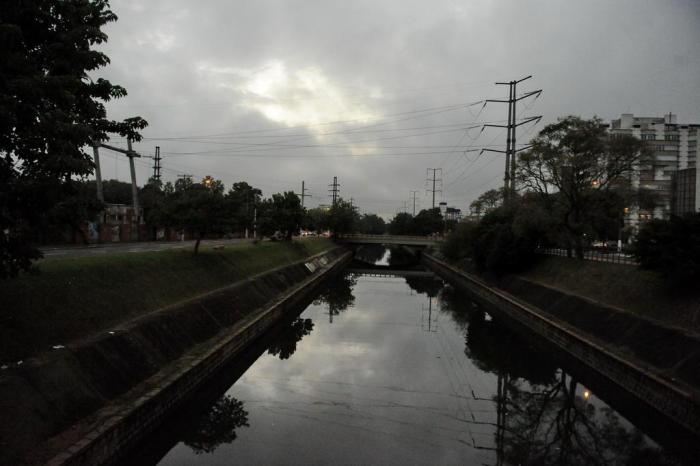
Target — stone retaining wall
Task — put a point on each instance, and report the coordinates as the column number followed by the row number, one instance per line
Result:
column 86, row 403
column 676, row 402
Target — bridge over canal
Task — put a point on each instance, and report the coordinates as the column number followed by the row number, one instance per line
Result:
column 389, row 240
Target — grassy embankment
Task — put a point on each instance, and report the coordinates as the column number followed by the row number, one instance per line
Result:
column 622, row 286
column 73, row 298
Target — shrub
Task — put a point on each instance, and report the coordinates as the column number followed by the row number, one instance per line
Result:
column 671, row 248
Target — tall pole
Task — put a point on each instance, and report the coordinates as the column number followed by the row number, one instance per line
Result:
column 98, row 172
column 156, row 164
column 303, row 193
column 334, row 190
column 434, row 180
column 134, row 189
column 255, row 223
column 506, row 175
column 512, row 144
column 511, row 151
column 413, row 193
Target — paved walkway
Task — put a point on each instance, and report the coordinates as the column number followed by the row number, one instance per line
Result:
column 120, row 248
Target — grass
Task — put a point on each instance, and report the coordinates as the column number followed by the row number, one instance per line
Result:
column 622, row 286
column 73, row 298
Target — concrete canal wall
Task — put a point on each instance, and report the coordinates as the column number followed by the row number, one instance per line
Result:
column 628, row 352
column 88, row 403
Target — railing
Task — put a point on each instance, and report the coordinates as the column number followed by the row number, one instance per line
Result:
column 595, row 254
column 392, row 237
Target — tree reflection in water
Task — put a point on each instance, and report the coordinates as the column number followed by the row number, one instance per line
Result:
column 370, row 253
column 286, row 343
column 338, row 294
column 217, row 426
column 543, row 417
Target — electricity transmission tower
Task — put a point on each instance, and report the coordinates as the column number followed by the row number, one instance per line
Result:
column 303, row 193
column 511, row 151
column 156, row 164
column 413, row 196
column 434, row 181
column 335, row 189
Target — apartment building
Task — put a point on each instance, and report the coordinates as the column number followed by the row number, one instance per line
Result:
column 674, row 147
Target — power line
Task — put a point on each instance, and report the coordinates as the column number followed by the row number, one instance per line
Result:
column 431, row 110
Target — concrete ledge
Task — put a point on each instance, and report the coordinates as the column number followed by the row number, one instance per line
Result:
column 112, row 429
column 676, row 403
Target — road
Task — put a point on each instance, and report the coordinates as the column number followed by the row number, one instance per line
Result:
column 120, row 248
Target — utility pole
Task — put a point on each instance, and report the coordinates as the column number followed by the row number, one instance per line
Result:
column 156, row 164
column 413, row 194
column 129, row 152
column 98, row 172
column 511, row 151
column 303, row 193
column 434, row 180
column 334, row 190
column 185, row 177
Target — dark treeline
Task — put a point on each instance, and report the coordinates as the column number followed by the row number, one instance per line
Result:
column 576, row 188
column 205, row 209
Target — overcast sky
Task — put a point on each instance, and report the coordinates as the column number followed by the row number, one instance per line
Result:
column 375, row 92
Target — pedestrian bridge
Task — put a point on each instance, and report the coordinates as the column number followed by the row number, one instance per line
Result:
column 398, row 240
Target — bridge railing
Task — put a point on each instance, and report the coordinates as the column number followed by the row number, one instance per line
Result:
column 392, row 237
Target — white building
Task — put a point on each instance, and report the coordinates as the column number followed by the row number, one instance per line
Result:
column 674, row 147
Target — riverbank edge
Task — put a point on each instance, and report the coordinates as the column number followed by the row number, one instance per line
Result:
column 114, row 428
column 675, row 403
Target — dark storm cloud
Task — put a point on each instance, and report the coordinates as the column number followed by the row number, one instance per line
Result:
column 219, row 67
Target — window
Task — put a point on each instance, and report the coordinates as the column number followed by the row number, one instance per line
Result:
column 648, row 137
column 672, row 137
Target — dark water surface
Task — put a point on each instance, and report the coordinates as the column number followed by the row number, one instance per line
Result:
column 388, row 370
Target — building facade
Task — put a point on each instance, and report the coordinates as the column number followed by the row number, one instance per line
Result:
column 674, row 147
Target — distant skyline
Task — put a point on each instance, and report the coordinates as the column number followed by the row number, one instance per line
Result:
column 376, row 92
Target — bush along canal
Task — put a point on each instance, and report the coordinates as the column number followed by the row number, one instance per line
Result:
column 387, row 369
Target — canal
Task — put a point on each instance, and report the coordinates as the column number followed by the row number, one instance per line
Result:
column 397, row 370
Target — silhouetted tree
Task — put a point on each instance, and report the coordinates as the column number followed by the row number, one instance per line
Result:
column 285, row 344
column 217, row 426
column 283, row 213
column 51, row 110
column 196, row 208
column 575, row 159
column 371, row 224
column 671, row 248
column 341, row 218
column 338, row 294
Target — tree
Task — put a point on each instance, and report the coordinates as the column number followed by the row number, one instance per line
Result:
column 371, row 224
column 572, row 162
column 240, row 204
column 428, row 221
column 196, row 208
column 283, row 213
column 51, row 111
column 487, row 202
column 217, row 426
column 401, row 224
column 671, row 248
column 285, row 344
column 152, row 199
column 315, row 219
column 342, row 217
column 73, row 210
